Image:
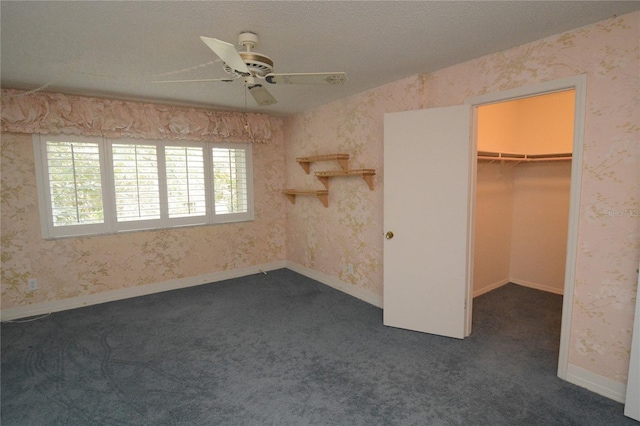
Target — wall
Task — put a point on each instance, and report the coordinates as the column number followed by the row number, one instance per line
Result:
column 493, row 226
column 89, row 266
column 605, row 287
column 556, row 111
column 540, row 225
column 498, row 124
column 521, row 227
column 349, row 231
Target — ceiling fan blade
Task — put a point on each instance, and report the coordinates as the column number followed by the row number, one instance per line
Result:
column 228, row 53
column 261, row 95
column 206, row 80
column 336, row 78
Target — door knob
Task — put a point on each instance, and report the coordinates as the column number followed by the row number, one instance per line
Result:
column 389, row 235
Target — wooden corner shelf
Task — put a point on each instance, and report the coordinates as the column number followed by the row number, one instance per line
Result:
column 366, row 174
column 321, row 194
column 323, row 176
column 342, row 159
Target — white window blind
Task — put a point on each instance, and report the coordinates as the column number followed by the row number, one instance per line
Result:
column 136, row 184
column 186, row 191
column 75, row 183
column 230, row 180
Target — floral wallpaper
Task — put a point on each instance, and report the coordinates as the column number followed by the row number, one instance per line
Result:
column 72, row 267
column 350, row 229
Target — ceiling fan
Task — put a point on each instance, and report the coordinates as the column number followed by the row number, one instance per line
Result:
column 255, row 68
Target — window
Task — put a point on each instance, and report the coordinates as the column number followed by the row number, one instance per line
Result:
column 89, row 186
column 135, row 180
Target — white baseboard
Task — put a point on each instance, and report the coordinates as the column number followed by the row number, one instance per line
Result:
column 537, row 286
column 143, row 290
column 126, row 293
column 490, row 287
column 596, row 383
column 333, row 282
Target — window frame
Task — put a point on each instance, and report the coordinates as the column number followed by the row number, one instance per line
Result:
column 110, row 224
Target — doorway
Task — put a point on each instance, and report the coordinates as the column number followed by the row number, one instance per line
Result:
column 577, row 86
column 523, row 182
column 522, row 192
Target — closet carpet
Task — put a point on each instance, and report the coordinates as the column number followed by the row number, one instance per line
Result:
column 282, row 349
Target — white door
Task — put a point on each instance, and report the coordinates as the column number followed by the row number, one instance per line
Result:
column 427, row 194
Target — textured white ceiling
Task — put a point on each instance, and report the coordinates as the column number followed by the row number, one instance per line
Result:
column 116, row 49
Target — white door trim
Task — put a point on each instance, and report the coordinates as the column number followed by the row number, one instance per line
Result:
column 579, row 84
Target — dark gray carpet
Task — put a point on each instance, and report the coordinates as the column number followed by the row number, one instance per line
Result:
column 281, row 349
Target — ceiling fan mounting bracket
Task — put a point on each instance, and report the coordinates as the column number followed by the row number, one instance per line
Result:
column 248, row 39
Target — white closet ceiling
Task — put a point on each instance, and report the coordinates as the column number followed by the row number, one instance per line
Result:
column 116, row 49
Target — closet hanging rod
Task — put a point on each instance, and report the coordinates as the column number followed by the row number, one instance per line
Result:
column 510, row 156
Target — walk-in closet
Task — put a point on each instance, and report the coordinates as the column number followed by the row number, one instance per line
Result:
column 522, row 192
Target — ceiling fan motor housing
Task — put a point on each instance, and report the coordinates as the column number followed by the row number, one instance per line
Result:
column 257, row 63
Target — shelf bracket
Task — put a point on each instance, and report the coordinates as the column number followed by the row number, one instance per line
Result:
column 366, row 174
column 342, row 159
column 321, row 194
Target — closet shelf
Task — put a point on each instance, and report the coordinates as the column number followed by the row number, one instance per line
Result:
column 522, row 158
column 321, row 194
column 366, row 174
column 342, row 159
